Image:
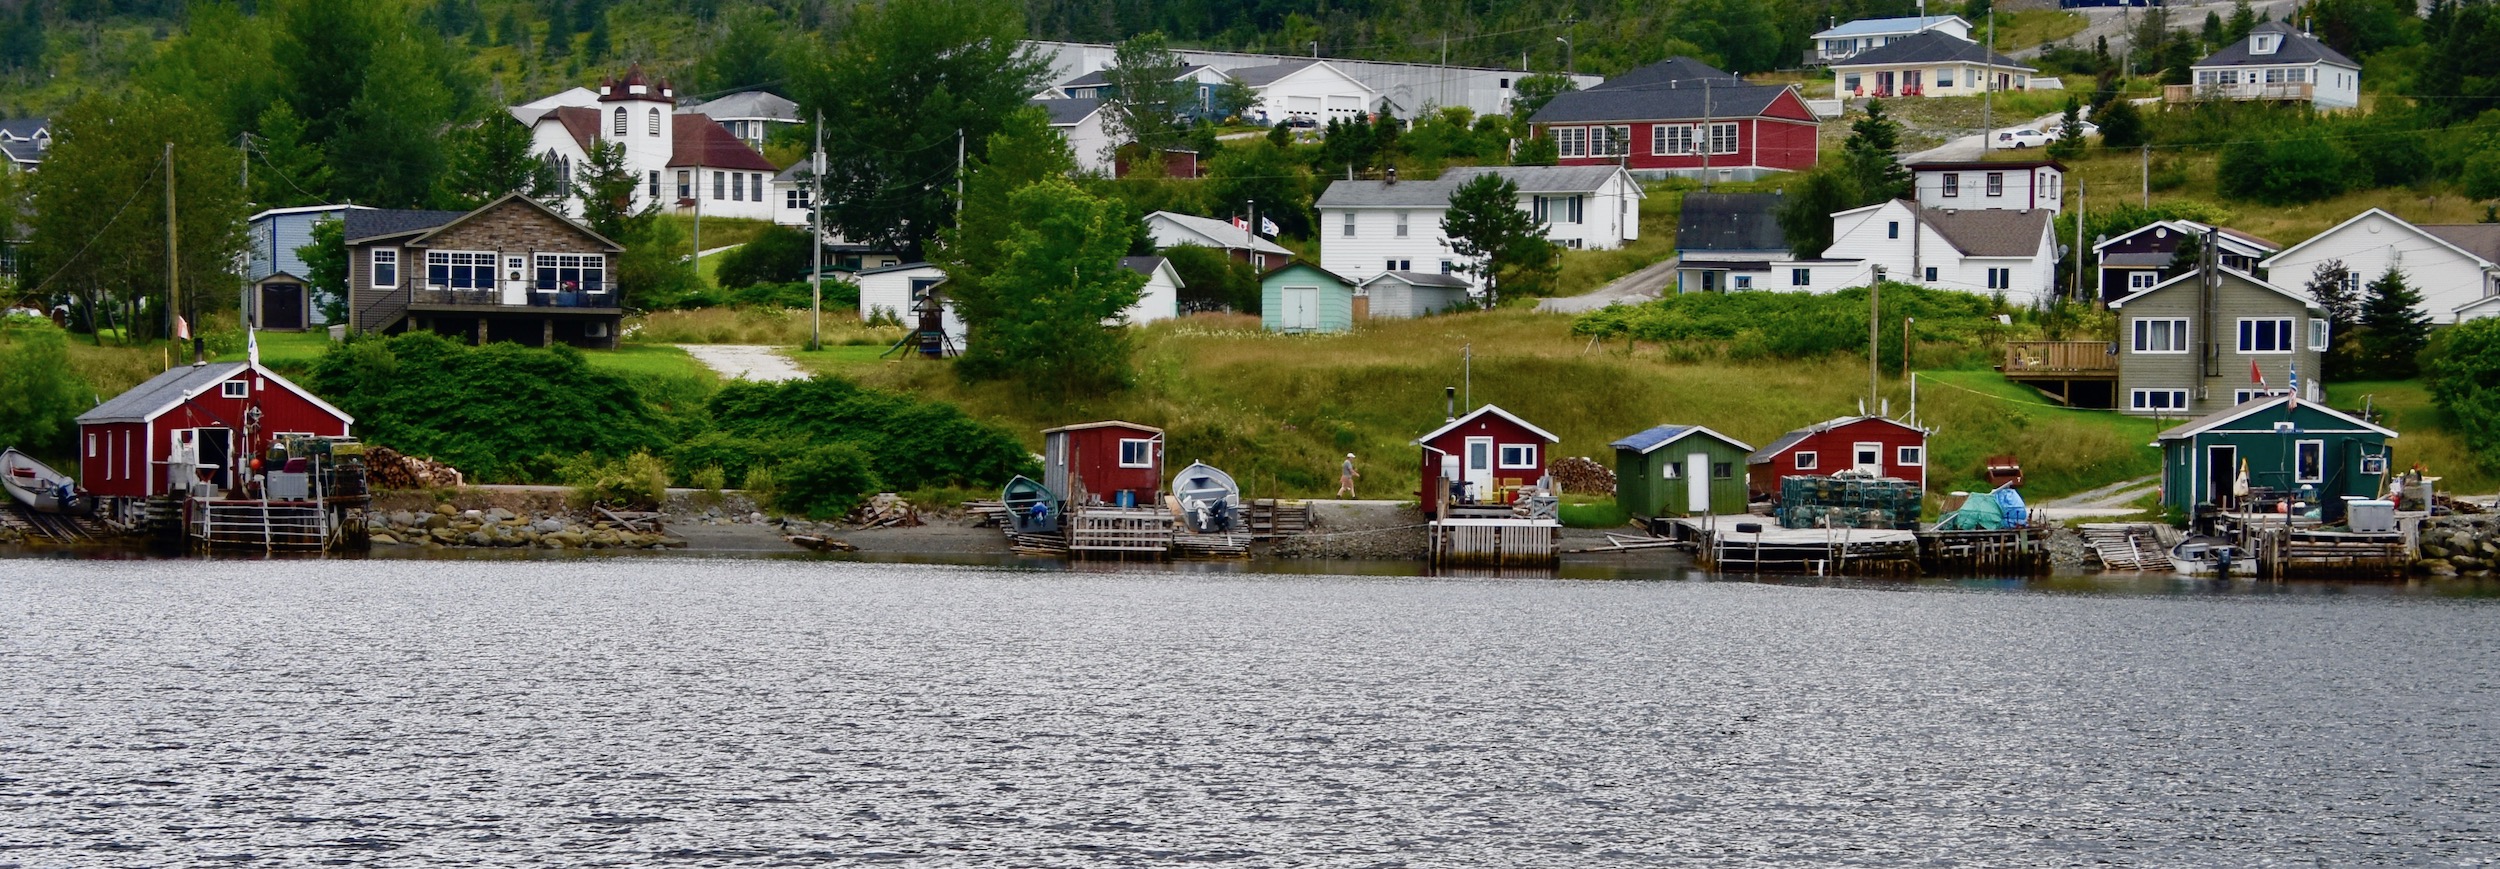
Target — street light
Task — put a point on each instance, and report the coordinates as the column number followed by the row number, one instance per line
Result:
column 1566, row 41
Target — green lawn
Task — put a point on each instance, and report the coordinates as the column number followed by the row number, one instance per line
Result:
column 653, row 359
column 2032, row 28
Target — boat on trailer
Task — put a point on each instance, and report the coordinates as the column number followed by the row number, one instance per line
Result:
column 1032, row 508
column 40, row 488
column 1208, row 499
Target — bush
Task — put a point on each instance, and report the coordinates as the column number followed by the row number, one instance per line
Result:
column 777, row 255
column 2301, row 167
column 486, row 410
column 734, row 457
column 1952, row 327
column 914, row 444
column 639, row 480
column 40, row 394
column 1213, row 281
column 824, row 482
column 2464, row 373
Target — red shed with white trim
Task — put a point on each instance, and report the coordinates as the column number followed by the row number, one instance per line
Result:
column 123, row 443
column 1489, row 450
column 1886, row 447
column 1109, row 458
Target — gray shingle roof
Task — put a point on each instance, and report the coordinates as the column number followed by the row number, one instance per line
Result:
column 2479, row 239
column 1422, row 279
column 2137, row 260
column 1990, row 232
column 22, row 152
column 2297, row 48
column 24, row 128
column 1069, row 111
column 1659, row 101
column 1683, row 70
column 159, row 392
column 1144, row 265
column 746, row 104
column 1436, row 193
column 1929, row 47
column 1880, row 26
column 1221, row 233
column 1539, row 179
column 363, row 224
column 1100, row 77
column 1255, row 76
column 1730, row 222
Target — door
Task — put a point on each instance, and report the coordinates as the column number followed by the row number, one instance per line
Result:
column 1697, row 483
column 516, row 287
column 1301, row 309
column 1868, row 457
column 2222, row 471
column 1479, row 468
column 1883, row 84
column 282, row 306
column 216, row 451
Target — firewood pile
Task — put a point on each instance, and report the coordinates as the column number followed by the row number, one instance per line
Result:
column 1582, row 476
column 386, row 468
column 886, row 510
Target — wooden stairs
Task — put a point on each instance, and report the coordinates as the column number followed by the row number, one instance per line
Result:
column 2127, row 546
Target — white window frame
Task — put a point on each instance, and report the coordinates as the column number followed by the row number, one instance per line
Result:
column 2000, row 279
column 381, row 257
column 582, row 264
column 1618, row 139
column 1951, row 185
column 1349, row 224
column 2282, row 336
column 2142, row 280
column 473, row 262
column 1146, row 451
column 618, row 129
column 235, row 389
column 1807, row 460
column 655, row 122
column 1910, row 457
column 1571, row 141
column 1996, row 184
column 2178, row 400
column 2244, row 396
column 2309, row 445
column 1728, row 128
column 90, row 445
column 2177, row 337
column 1671, row 140
column 1401, row 224
column 1526, row 452
column 1674, row 470
column 2320, row 335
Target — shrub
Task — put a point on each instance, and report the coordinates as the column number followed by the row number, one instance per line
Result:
column 731, row 455
column 824, row 482
column 639, row 480
column 486, row 410
column 40, row 394
column 2302, row 167
column 1952, row 327
column 2464, row 373
column 708, row 479
column 777, row 255
column 915, row 444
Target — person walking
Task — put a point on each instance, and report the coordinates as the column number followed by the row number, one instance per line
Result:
column 1346, row 476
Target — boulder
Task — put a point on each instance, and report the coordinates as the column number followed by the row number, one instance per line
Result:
column 445, row 510
column 499, row 514
column 547, row 526
column 2435, row 567
column 567, row 539
column 477, row 538
column 403, row 518
column 384, row 538
column 443, row 536
column 438, row 521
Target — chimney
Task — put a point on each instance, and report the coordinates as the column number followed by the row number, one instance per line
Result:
column 1449, row 397
column 1393, row 174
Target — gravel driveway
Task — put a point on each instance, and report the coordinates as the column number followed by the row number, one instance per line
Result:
column 745, row 361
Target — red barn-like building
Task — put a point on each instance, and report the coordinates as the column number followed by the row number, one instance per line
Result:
column 1488, row 451
column 123, row 443
column 1682, row 117
column 1884, row 447
column 1106, row 460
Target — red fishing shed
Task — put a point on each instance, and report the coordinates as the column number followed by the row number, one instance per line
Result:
column 1489, row 450
column 229, row 410
column 1107, row 460
column 1884, row 447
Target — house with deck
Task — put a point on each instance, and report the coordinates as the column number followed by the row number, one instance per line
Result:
column 1929, row 64
column 2299, row 448
column 2456, row 266
column 2201, row 343
column 1371, row 227
column 1487, row 455
column 2274, row 63
column 1873, row 445
column 512, row 270
column 1681, row 118
column 1986, row 251
column 1680, row 470
column 2135, row 261
column 1846, row 41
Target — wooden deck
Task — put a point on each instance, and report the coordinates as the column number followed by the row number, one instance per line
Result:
column 1119, row 532
column 2060, row 359
column 1508, row 542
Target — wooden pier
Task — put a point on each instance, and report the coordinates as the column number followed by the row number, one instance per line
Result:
column 1495, row 542
column 1755, row 544
column 268, row 526
column 2020, row 551
column 2285, row 552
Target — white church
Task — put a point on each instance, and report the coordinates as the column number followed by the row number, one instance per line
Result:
column 689, row 163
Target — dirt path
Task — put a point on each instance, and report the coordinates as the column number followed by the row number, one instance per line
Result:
column 1631, row 289
column 745, row 361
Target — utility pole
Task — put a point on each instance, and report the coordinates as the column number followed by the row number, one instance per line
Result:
column 1874, row 291
column 959, row 171
column 816, row 240
column 1905, row 347
column 1705, row 134
column 2082, row 196
column 1566, row 41
column 1988, row 87
column 2146, row 172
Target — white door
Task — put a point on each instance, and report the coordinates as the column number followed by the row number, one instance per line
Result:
column 1697, row 482
column 1869, row 458
column 516, row 285
column 1301, row 309
column 1308, row 107
column 1479, row 467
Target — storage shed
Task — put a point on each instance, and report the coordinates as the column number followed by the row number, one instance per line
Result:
column 2289, row 446
column 1108, row 462
column 1301, row 297
column 226, row 411
column 1416, row 294
column 1680, row 470
column 281, row 303
column 1872, row 444
column 1489, row 452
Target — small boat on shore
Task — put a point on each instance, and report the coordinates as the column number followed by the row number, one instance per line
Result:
column 40, row 488
column 1208, row 499
column 1032, row 508
column 2201, row 555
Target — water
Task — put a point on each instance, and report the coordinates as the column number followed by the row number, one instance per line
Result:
column 692, row 712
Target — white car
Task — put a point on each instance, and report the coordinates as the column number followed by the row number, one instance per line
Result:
column 2023, row 138
column 2057, row 130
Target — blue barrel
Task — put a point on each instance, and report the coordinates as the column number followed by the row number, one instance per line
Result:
column 1128, row 498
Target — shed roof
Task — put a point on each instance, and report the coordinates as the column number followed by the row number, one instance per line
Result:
column 1662, row 100
column 1991, row 232
column 1730, row 222
column 1069, row 112
column 2296, row 48
column 1496, row 410
column 1930, row 47
column 1420, row 279
column 1108, row 423
column 1791, row 439
column 1306, row 265
column 2219, row 419
column 1650, row 440
column 169, row 390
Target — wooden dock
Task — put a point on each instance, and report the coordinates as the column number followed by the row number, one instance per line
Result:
column 1273, row 518
column 268, row 526
column 2019, row 551
column 2285, row 552
column 1755, row 544
column 1119, row 532
column 1495, row 542
column 2128, row 546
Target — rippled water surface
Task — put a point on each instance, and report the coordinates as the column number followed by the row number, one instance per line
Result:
column 689, row 712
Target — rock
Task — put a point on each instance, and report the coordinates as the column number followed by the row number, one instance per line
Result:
column 477, row 538
column 444, row 536
column 2434, row 552
column 500, row 514
column 438, row 521
column 755, row 517
column 445, row 510
column 820, row 544
column 2469, row 563
column 547, row 526
column 567, row 539
column 603, row 537
column 2435, row 567
column 384, row 538
column 403, row 518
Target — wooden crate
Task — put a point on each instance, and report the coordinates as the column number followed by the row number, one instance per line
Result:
column 1119, row 531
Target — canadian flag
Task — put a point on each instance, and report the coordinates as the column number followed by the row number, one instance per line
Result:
column 1242, row 224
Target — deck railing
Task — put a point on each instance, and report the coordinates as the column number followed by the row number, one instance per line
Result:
column 600, row 296
column 2061, row 357
column 2189, row 93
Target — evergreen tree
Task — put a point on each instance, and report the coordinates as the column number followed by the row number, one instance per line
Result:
column 606, row 188
column 1143, row 94
column 2243, row 19
column 1805, row 213
column 2069, row 144
column 22, row 42
column 2343, row 311
column 595, row 47
column 2122, row 126
column 490, row 157
column 1538, row 151
column 559, row 40
column 2393, row 329
column 293, row 171
column 2213, row 31
column 325, row 267
column 749, row 52
column 1869, row 153
column 389, row 151
column 1504, row 246
column 514, row 32
column 1267, row 175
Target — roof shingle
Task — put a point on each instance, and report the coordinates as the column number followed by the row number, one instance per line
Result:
column 1990, row 232
column 1730, row 222
column 2296, row 48
column 1930, row 47
column 703, row 142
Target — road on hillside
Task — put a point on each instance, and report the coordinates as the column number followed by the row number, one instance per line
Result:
column 1633, row 289
column 745, row 361
column 2117, row 22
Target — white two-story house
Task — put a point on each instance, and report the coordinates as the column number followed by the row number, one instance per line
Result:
column 2456, row 267
column 1848, row 40
column 2275, row 62
column 2001, row 186
column 688, row 163
column 1367, row 228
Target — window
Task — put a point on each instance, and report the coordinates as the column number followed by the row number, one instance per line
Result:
column 1996, row 183
column 1870, row 455
column 1850, row 83
column 1806, row 460
column 655, row 183
column 738, row 187
column 2157, row 399
column 1448, row 267
column 2244, row 396
column 1722, row 470
column 385, row 267
column 1801, row 277
column 1910, row 456
column 1136, row 453
column 2308, row 461
column 1401, row 224
column 1665, row 139
column 2001, row 279
column 570, row 272
column 2274, row 76
column 1349, row 224
column 1616, row 141
column 755, row 186
column 619, row 127
column 719, row 183
column 1892, row 229
column 2317, row 333
column 2352, row 282
column 91, row 446
column 1571, row 141
column 1673, row 470
column 1723, row 138
column 2161, row 336
column 2266, row 336
column 1401, row 265
column 2142, row 280
column 795, row 198
column 235, row 389
column 655, row 122
column 1572, row 212
column 1944, row 78
column 685, row 184
column 1518, row 455
column 459, row 270
column 1538, row 211
column 1952, row 184
column 1931, row 274
column 1258, row 261
column 1744, row 282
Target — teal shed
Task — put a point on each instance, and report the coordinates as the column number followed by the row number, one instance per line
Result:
column 1301, row 297
column 1680, row 470
column 2302, row 447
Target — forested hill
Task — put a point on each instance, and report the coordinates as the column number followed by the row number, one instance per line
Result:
column 53, row 51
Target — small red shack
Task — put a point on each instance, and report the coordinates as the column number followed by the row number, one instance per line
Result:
column 1113, row 462
column 229, row 410
column 1489, row 451
column 1884, row 447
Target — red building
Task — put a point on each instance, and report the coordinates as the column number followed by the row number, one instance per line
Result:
column 1884, row 447
column 1489, row 452
column 226, row 411
column 1100, row 462
column 1682, row 117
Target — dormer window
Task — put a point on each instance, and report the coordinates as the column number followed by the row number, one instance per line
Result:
column 619, row 126
column 2264, row 43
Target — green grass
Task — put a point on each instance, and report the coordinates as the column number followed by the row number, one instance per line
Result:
column 770, row 326
column 290, row 351
column 845, row 359
column 2032, row 28
column 2425, row 434
column 720, row 231
column 1593, row 514
column 650, row 359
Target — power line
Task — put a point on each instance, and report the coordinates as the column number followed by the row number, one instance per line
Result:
column 141, row 189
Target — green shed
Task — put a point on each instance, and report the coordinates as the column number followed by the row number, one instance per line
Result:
column 1301, row 297
column 1680, row 470
column 2285, row 445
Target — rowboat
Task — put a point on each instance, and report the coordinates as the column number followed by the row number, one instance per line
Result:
column 1032, row 508
column 40, row 488
column 2199, row 555
column 1208, row 499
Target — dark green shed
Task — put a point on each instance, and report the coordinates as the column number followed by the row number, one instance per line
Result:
column 1680, row 470
column 2292, row 446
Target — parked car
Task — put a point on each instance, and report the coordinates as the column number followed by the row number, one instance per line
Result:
column 2058, row 130
column 2022, row 138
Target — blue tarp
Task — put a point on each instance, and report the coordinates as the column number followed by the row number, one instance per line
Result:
column 2010, row 503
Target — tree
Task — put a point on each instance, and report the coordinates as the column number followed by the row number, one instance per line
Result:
column 1805, row 211
column 2363, row 27
column 220, row 62
column 1534, row 91
column 490, row 157
column 606, row 185
column 2243, row 19
column 2393, row 329
column 777, row 255
column 1267, row 175
column 99, row 210
column 390, row 150
column 2069, row 144
column 2303, row 166
column 1870, row 156
column 1025, row 151
column 905, row 80
column 1504, row 246
column 1212, row 280
column 1144, row 93
column 40, row 392
column 1038, row 316
column 2327, row 284
column 652, row 272
column 293, row 171
column 2121, row 125
column 2213, row 30
column 325, row 266
column 2464, row 376
column 2458, row 66
column 1538, row 151
column 1235, row 98
column 22, row 43
column 749, row 52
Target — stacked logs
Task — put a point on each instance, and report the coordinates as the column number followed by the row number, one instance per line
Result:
column 386, row 468
column 886, row 510
column 1582, row 476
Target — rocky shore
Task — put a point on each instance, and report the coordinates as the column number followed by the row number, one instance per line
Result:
column 2459, row 545
column 501, row 528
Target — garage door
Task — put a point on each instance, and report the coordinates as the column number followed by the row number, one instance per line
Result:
column 1300, row 106
column 1345, row 106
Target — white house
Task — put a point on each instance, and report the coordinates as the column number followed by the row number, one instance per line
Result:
column 2456, row 267
column 1201, row 79
column 24, row 142
column 1313, row 90
column 1169, row 228
column 2007, row 186
column 1929, row 64
column 688, row 162
column 1080, row 121
column 895, row 293
column 1160, row 298
column 1848, row 40
column 1370, row 227
column 751, row 116
column 2275, row 62
column 1987, row 252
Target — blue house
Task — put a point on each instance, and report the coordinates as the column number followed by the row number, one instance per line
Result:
column 280, row 297
column 1301, row 297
